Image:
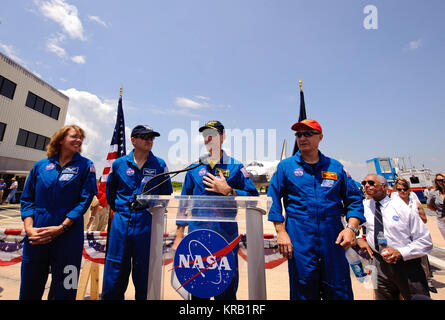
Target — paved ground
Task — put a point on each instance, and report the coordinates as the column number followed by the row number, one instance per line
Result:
column 276, row 279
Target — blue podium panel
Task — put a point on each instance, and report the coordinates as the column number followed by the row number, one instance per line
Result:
column 210, row 260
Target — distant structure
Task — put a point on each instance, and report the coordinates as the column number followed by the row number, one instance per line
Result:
column 30, row 112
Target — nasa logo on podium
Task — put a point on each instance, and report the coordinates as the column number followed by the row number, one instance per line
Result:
column 204, row 263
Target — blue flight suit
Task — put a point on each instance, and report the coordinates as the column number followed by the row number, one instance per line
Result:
column 315, row 198
column 237, row 178
column 129, row 241
column 52, row 194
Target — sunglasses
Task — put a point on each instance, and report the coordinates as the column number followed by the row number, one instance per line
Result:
column 439, row 180
column 306, row 134
column 145, row 136
column 210, row 134
column 370, row 182
column 402, row 189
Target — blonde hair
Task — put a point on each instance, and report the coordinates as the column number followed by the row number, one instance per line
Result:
column 403, row 182
column 53, row 147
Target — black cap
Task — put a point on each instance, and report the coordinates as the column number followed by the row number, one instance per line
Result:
column 140, row 129
column 213, row 124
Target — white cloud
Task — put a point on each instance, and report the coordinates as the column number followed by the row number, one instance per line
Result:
column 98, row 20
column 203, row 98
column 188, row 103
column 10, row 51
column 64, row 14
column 53, row 45
column 415, row 44
column 97, row 117
column 78, row 59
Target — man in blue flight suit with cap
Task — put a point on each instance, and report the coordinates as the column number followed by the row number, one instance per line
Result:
column 220, row 175
column 129, row 242
column 316, row 191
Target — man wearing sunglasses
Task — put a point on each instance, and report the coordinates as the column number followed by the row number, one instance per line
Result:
column 316, row 192
column 219, row 175
column 129, row 241
column 399, row 269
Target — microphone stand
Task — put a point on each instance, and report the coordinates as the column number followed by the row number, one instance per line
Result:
column 141, row 204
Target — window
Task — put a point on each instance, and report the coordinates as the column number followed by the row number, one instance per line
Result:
column 32, row 140
column 55, row 112
column 21, row 138
column 47, row 108
column 40, row 143
column 31, row 100
column 414, row 179
column 41, row 105
column 2, row 130
column 7, row 87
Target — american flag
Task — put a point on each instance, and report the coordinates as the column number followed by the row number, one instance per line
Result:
column 117, row 146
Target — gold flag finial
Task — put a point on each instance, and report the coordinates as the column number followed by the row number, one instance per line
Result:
column 122, row 89
column 300, row 83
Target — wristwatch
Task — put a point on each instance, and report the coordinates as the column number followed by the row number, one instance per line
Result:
column 356, row 230
column 65, row 227
column 230, row 193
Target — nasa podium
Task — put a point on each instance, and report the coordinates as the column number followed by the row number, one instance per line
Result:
column 246, row 212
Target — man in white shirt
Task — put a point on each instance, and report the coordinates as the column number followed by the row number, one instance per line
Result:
column 399, row 271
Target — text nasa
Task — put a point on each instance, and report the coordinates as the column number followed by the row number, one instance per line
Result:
column 198, row 263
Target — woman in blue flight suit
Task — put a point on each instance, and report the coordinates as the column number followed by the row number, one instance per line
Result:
column 129, row 243
column 226, row 176
column 57, row 193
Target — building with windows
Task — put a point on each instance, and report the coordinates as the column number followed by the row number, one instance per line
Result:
column 31, row 111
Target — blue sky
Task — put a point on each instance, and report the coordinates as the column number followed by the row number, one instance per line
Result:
column 377, row 92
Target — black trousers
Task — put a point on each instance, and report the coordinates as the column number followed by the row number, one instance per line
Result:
column 405, row 278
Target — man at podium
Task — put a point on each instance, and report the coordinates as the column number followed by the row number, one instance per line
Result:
column 129, row 243
column 219, row 175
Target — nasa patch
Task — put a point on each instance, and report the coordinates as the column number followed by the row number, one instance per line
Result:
column 71, row 170
column 395, row 218
column 327, row 183
column 204, row 263
column 299, row 172
column 130, row 172
column 50, row 166
column 202, row 172
column 66, row 177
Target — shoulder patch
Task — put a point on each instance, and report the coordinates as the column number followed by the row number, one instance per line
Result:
column 245, row 173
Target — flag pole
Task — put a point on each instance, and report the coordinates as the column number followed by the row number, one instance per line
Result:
column 302, row 113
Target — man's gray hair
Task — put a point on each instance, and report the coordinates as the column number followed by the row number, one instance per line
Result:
column 381, row 179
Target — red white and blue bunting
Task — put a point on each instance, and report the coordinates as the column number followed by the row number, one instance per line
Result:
column 11, row 246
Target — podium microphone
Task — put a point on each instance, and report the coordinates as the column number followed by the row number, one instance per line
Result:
column 141, row 204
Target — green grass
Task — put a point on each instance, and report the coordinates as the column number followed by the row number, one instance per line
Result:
column 177, row 186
